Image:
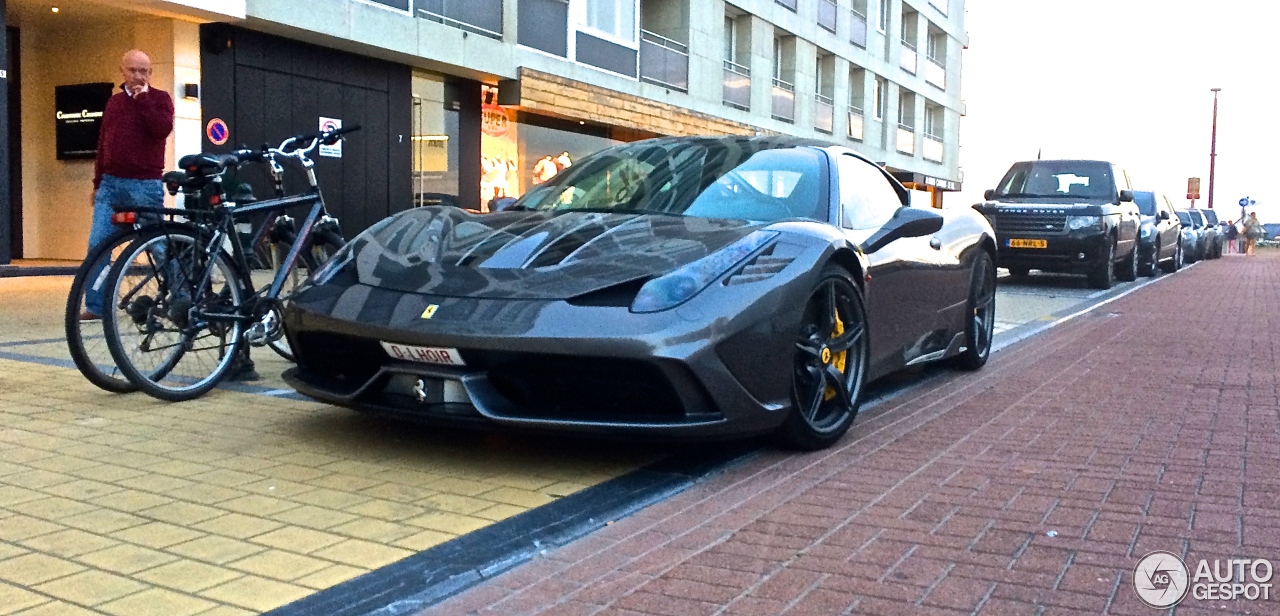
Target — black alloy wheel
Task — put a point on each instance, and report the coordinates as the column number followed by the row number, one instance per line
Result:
column 1153, row 264
column 1175, row 263
column 1104, row 274
column 981, row 324
column 830, row 367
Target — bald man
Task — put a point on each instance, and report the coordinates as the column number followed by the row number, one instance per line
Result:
column 135, row 128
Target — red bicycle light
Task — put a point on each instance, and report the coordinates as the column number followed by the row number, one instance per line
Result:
column 124, row 218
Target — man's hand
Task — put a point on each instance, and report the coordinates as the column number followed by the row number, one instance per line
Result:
column 139, row 89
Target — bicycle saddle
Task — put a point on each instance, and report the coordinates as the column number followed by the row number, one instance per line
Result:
column 206, row 164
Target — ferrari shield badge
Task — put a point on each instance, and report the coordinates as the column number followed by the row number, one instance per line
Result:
column 430, row 311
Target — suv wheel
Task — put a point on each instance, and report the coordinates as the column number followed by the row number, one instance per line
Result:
column 1103, row 275
column 1128, row 269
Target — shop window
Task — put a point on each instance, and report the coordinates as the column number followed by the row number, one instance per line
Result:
column 435, row 143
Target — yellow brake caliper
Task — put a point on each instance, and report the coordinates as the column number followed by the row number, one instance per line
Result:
column 837, row 359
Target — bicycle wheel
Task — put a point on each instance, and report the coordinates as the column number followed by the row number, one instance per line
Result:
column 170, row 331
column 86, row 340
column 311, row 257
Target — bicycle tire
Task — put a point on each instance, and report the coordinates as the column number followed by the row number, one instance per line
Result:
column 94, row 362
column 321, row 248
column 180, row 254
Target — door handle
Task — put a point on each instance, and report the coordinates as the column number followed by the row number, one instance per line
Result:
column 935, row 243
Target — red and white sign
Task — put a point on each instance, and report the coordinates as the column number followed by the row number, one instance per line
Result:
column 335, row 150
column 424, row 355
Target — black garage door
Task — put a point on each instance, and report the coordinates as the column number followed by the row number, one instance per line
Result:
column 267, row 87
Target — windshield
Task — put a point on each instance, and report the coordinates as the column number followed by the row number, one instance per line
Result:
column 741, row 179
column 1146, row 202
column 1058, row 178
column 1211, row 216
column 1184, row 218
column 1197, row 218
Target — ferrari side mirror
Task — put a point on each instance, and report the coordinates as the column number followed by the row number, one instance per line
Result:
column 907, row 222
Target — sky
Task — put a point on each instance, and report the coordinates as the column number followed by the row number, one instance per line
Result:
column 1127, row 81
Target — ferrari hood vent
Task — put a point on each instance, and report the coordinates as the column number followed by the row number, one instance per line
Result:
column 765, row 265
column 549, row 255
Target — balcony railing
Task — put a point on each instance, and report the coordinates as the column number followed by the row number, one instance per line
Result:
column 663, row 61
column 857, row 28
column 784, row 100
column 483, row 17
column 935, row 73
column 737, row 86
column 906, row 140
column 909, row 56
column 824, row 113
column 855, row 123
column 933, row 148
column 827, row 14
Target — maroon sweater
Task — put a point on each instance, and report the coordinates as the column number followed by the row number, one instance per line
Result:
column 134, row 131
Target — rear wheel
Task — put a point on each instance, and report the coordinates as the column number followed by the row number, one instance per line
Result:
column 162, row 329
column 86, row 340
column 1103, row 275
column 830, row 365
column 981, row 315
column 1175, row 263
column 1149, row 266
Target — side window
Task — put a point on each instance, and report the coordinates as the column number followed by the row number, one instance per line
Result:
column 1122, row 179
column 867, row 200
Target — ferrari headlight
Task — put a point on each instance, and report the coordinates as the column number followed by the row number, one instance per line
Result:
column 677, row 287
column 1075, row 223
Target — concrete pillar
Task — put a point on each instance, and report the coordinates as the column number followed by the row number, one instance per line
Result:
column 5, row 200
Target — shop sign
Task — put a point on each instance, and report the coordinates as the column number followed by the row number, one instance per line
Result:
column 335, row 150
column 494, row 121
column 78, row 118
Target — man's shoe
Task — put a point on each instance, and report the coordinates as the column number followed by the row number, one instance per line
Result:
column 89, row 316
column 243, row 370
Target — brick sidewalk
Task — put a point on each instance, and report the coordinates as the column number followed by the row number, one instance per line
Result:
column 1031, row 487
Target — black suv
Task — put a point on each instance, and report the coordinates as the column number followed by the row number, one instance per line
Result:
column 1072, row 216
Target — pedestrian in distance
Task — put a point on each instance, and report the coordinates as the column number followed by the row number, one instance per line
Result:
column 1233, row 234
column 130, row 160
column 1253, row 231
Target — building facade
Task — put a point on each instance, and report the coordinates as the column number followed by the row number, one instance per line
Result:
column 468, row 101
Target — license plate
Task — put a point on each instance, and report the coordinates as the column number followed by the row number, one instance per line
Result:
column 1028, row 243
column 425, row 355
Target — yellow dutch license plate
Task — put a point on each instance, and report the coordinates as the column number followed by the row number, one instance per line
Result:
column 1028, row 243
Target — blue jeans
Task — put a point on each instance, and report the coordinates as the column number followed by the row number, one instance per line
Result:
column 119, row 192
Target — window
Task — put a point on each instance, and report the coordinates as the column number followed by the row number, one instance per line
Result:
column 730, row 38
column 777, row 58
column 883, row 16
column 615, row 19
column 907, row 110
column 880, row 94
column 857, row 87
column 937, row 46
column 867, row 200
column 933, row 121
column 1083, row 179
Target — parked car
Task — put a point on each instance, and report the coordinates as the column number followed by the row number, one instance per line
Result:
column 1159, row 235
column 1074, row 216
column 702, row 287
column 1192, row 237
column 1212, row 238
column 1219, row 234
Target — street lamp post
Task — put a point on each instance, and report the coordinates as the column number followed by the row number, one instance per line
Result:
column 1213, row 143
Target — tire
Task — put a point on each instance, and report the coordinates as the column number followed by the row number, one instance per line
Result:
column 86, row 341
column 1128, row 268
column 1175, row 263
column 1019, row 271
column 1150, row 266
column 830, row 366
column 980, row 315
column 1104, row 275
column 153, row 332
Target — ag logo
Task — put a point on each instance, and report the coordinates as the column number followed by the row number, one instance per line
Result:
column 430, row 311
column 1161, row 579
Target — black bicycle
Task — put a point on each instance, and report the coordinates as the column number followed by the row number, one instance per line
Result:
column 184, row 298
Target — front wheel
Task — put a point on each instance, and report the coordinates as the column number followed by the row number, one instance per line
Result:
column 169, row 325
column 830, row 365
column 1104, row 274
column 981, row 315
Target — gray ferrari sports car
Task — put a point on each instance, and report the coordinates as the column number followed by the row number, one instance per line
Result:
column 697, row 287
